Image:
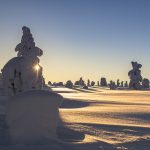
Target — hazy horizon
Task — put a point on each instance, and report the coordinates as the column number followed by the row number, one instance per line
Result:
column 88, row 38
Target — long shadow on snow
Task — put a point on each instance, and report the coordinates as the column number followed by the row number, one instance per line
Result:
column 73, row 103
column 143, row 144
column 70, row 103
column 97, row 129
column 73, row 139
column 118, row 128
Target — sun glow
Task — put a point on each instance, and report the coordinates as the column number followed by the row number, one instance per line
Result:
column 36, row 67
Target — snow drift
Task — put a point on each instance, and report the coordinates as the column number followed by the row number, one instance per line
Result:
column 32, row 116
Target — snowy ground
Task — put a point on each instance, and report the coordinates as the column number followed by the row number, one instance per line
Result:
column 120, row 118
column 100, row 119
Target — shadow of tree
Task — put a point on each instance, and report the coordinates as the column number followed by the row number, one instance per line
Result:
column 74, row 140
column 70, row 103
column 73, row 103
column 117, row 130
column 143, row 144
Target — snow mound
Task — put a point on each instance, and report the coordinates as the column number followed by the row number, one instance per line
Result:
column 32, row 116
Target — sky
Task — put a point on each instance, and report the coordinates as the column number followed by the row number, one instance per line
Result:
column 88, row 38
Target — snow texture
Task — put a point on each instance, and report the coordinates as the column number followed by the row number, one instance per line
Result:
column 96, row 119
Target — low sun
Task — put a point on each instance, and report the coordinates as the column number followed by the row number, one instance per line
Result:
column 37, row 67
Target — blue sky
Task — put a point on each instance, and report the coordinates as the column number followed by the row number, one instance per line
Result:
column 88, row 38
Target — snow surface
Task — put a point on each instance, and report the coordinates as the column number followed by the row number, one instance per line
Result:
column 32, row 116
column 99, row 119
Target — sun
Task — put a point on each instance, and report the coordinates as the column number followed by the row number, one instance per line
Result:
column 37, row 67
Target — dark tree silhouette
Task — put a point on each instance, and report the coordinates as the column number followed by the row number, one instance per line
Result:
column 92, row 83
column 69, row 84
column 118, row 82
column 103, row 82
column 88, row 82
column 49, row 83
column 145, row 83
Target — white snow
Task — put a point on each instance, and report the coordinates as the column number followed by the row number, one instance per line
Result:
column 100, row 119
column 113, row 116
